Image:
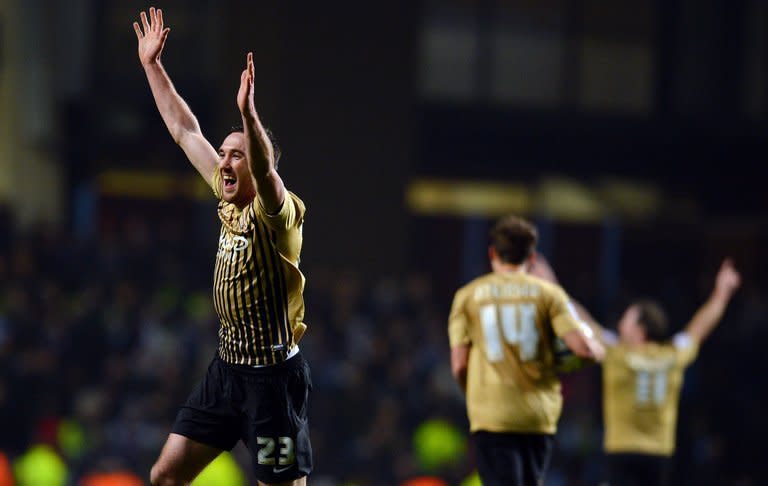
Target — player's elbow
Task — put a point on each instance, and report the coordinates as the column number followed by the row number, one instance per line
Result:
column 182, row 133
column 178, row 134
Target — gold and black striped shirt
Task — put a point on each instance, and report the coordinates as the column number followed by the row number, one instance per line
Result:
column 257, row 285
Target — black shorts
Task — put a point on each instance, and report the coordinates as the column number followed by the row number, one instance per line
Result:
column 637, row 469
column 266, row 408
column 511, row 459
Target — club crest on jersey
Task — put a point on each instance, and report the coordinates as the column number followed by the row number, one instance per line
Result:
column 232, row 245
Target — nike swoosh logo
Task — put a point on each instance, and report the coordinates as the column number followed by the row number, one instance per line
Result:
column 278, row 470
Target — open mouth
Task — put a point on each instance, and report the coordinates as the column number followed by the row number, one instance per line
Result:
column 229, row 181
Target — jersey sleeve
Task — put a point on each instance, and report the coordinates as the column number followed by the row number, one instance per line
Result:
column 606, row 336
column 686, row 347
column 458, row 321
column 291, row 214
column 561, row 312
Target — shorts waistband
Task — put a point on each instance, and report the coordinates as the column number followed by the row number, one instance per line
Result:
column 294, row 360
column 291, row 353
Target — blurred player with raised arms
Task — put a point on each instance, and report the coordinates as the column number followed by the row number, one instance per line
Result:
column 257, row 387
column 642, row 379
column 502, row 331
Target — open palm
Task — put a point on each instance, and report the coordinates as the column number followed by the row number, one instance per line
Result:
column 152, row 38
column 245, row 93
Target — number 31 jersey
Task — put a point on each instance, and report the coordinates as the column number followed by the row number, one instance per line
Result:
column 510, row 321
column 641, row 388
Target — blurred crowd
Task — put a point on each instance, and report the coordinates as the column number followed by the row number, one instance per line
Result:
column 102, row 338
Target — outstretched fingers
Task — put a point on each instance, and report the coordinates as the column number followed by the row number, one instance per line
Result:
column 244, row 79
column 153, row 18
column 151, row 23
column 144, row 22
column 250, row 67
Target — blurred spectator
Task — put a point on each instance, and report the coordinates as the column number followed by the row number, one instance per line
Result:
column 40, row 465
column 6, row 475
column 223, row 471
column 118, row 478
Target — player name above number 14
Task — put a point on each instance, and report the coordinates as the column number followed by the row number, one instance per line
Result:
column 492, row 291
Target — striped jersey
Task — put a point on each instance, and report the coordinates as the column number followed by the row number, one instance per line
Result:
column 257, row 284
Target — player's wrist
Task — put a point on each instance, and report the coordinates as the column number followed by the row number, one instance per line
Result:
column 722, row 293
column 150, row 63
column 249, row 116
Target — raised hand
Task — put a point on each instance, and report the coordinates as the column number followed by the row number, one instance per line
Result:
column 152, row 38
column 245, row 93
column 728, row 278
column 542, row 269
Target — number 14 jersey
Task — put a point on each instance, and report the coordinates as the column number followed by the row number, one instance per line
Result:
column 510, row 321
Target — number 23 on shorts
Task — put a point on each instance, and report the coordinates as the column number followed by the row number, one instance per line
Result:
column 266, row 455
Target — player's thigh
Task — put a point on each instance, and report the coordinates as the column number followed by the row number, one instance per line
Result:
column 499, row 459
column 183, row 458
column 536, row 450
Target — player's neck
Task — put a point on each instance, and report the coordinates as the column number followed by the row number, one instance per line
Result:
column 501, row 267
column 634, row 342
column 243, row 202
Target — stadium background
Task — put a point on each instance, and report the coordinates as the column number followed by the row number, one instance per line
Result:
column 632, row 132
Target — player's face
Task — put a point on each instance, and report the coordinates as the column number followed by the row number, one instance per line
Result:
column 237, row 183
column 630, row 330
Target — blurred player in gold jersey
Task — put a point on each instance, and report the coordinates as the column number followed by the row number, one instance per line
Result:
column 502, row 330
column 642, row 378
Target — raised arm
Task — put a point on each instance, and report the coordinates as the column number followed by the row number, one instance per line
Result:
column 542, row 269
column 259, row 150
column 179, row 119
column 708, row 316
column 582, row 343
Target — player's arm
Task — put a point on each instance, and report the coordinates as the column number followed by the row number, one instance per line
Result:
column 577, row 335
column 458, row 336
column 259, row 149
column 583, row 343
column 460, row 364
column 178, row 118
column 542, row 269
column 708, row 316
